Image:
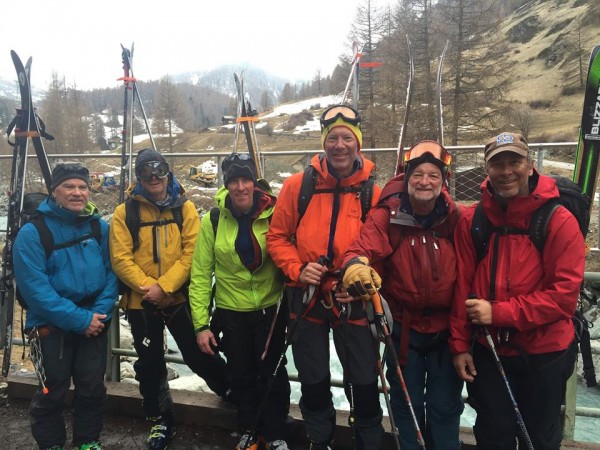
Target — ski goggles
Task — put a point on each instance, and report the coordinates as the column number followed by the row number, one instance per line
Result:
column 431, row 147
column 238, row 156
column 158, row 169
column 346, row 113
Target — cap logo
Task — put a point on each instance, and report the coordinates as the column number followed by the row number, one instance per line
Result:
column 504, row 138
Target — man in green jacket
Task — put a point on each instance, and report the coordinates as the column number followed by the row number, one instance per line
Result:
column 247, row 299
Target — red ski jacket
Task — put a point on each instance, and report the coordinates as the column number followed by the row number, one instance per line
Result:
column 536, row 292
column 417, row 265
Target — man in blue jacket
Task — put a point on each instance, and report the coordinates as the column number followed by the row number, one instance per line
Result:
column 70, row 293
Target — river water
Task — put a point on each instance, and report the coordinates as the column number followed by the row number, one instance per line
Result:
column 586, row 428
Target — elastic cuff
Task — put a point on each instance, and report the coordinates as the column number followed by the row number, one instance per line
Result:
column 201, row 329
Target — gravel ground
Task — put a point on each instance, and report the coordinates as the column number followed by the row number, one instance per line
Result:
column 119, row 432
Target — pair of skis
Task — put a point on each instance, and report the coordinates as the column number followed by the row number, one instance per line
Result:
column 130, row 84
column 587, row 157
column 26, row 125
column 246, row 118
column 409, row 91
column 353, row 78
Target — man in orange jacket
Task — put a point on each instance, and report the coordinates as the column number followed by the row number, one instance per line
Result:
column 309, row 251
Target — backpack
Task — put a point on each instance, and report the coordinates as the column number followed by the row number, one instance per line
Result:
column 307, row 190
column 571, row 197
column 134, row 223
column 29, row 214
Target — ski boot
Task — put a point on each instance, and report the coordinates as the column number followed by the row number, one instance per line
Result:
column 248, row 441
column 161, row 433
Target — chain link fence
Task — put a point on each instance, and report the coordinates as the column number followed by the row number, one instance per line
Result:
column 200, row 173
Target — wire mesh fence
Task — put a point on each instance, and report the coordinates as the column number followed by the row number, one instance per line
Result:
column 200, row 174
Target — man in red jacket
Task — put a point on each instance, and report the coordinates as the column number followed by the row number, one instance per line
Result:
column 408, row 238
column 524, row 298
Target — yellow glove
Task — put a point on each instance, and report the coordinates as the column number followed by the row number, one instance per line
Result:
column 360, row 280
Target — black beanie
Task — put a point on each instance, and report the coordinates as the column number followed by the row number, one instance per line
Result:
column 234, row 167
column 67, row 171
column 147, row 155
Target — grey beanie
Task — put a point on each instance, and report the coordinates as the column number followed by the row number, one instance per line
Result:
column 68, row 171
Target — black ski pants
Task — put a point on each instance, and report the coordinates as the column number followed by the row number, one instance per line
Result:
column 354, row 345
column 243, row 342
column 538, row 383
column 147, row 328
column 69, row 356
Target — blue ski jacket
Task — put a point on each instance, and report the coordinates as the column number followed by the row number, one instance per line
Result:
column 74, row 282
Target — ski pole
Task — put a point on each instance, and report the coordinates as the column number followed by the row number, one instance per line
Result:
column 520, row 420
column 387, row 337
column 324, row 261
column 386, row 395
column 271, row 329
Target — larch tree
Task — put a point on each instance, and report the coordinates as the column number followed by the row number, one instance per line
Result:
column 478, row 69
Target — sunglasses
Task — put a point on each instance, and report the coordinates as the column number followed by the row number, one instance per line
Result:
column 156, row 169
column 346, row 113
column 433, row 148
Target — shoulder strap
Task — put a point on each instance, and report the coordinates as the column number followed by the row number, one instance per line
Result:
column 307, row 190
column 134, row 223
column 132, row 220
column 177, row 212
column 214, row 219
column 539, row 223
column 481, row 232
column 366, row 197
column 46, row 237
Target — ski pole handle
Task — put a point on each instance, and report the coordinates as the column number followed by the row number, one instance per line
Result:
column 377, row 306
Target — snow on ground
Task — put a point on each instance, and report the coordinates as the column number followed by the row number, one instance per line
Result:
column 295, row 108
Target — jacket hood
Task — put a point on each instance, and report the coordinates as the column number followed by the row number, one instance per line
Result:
column 52, row 209
column 520, row 209
column 174, row 190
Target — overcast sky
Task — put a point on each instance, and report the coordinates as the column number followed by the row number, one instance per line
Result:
column 80, row 39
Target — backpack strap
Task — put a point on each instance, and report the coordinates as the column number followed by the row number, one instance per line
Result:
column 132, row 220
column 481, row 232
column 307, row 190
column 134, row 223
column 539, row 223
column 214, row 219
column 47, row 239
column 366, row 197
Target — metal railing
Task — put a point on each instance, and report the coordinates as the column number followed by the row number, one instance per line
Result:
column 467, row 174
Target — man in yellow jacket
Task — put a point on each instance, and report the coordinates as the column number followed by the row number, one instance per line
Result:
column 152, row 239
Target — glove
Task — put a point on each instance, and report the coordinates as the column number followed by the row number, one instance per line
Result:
column 360, row 280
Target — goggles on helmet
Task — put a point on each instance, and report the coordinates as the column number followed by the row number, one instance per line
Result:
column 432, row 147
column 346, row 113
column 158, row 169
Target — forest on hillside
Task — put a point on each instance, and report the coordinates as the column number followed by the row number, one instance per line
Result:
column 477, row 75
